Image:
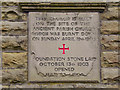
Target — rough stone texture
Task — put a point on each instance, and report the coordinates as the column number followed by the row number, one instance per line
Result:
column 0, row 86
column 14, row 60
column 14, row 76
column 0, row 76
column 0, row 61
column 5, row 86
column 0, row 28
column 111, row 4
column 64, row 85
column 0, row 79
column 0, row 3
column 110, row 14
column 12, row 43
column 13, row 14
column 14, row 28
column 0, row 12
column 112, row 1
column 110, row 59
column 110, row 42
column 60, row 0
column 109, row 27
column 9, row 4
column 110, row 75
column 0, row 44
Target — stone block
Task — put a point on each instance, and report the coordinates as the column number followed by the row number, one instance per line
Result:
column 14, row 28
column 110, row 27
column 7, row 4
column 110, row 59
column 110, row 42
column 14, row 43
column 12, row 76
column 14, row 60
column 110, row 75
column 13, row 14
column 110, row 14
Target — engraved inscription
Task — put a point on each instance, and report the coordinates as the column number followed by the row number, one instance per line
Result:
column 64, row 46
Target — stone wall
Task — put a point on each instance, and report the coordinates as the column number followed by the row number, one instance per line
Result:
column 15, row 50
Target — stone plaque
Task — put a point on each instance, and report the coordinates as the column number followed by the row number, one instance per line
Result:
column 64, row 46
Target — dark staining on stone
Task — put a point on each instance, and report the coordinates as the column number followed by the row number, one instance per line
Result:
column 11, row 15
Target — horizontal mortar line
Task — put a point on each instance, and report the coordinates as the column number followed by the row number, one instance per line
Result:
column 114, row 6
column 108, row 84
column 110, row 34
column 74, row 5
column 14, row 84
column 12, row 68
column 14, row 36
column 26, row 7
column 60, row 8
column 63, row 4
column 9, row 6
column 98, row 3
column 15, row 69
column 12, row 20
column 65, row 83
column 14, row 51
column 110, row 68
column 108, row 20
column 6, row 84
column 35, row 1
column 109, row 50
column 3, row 21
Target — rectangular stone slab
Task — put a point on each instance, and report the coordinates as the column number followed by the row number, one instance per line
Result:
column 64, row 46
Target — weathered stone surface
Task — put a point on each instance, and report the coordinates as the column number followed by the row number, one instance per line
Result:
column 13, row 14
column 14, row 28
column 5, row 86
column 0, row 28
column 0, row 3
column 110, row 42
column 14, row 43
column 0, row 79
column 9, row 4
column 0, row 60
column 110, row 75
column 86, row 49
column 0, row 76
column 109, row 27
column 61, row 1
column 64, row 85
column 0, row 86
column 3, row 15
column 0, row 44
column 110, row 59
column 0, row 14
column 112, row 1
column 14, row 60
column 110, row 14
column 14, row 76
